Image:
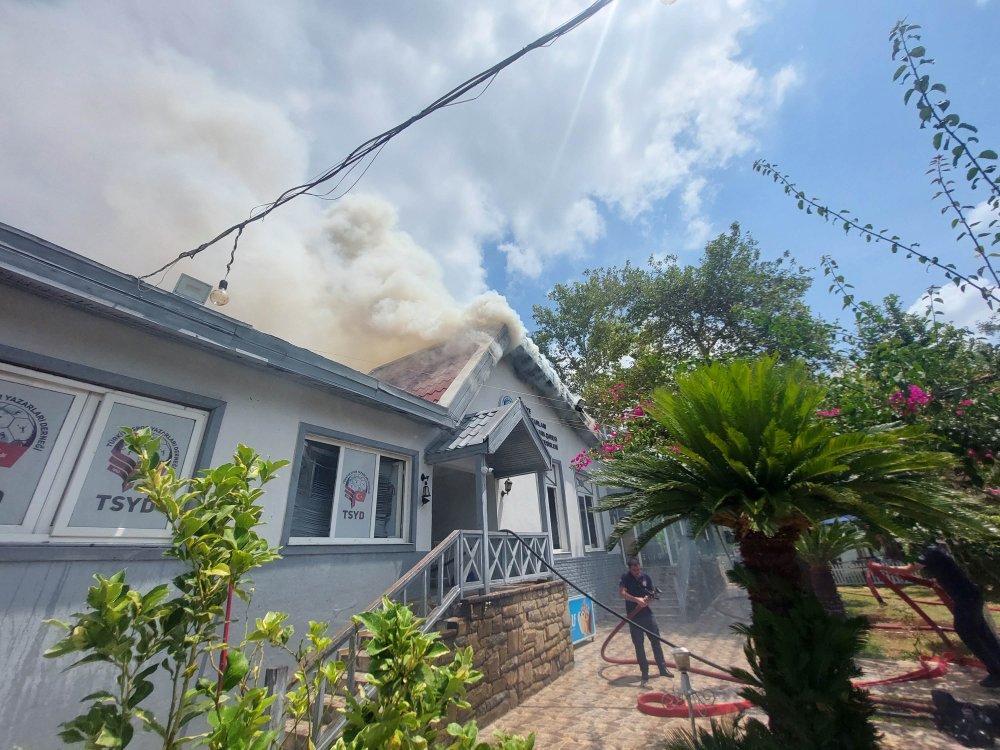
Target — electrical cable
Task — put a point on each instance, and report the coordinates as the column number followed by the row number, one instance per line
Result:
column 373, row 145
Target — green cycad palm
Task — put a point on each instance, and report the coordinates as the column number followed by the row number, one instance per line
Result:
column 751, row 454
column 818, row 548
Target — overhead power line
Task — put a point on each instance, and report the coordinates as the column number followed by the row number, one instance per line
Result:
column 372, row 146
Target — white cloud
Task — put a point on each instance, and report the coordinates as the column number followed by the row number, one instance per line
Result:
column 133, row 132
column 783, row 81
column 981, row 215
column 962, row 309
column 699, row 229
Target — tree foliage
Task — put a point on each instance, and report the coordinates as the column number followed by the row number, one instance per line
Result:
column 907, row 368
column 213, row 520
column 893, row 352
column 752, row 454
column 634, row 325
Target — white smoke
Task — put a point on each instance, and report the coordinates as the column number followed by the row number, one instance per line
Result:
column 129, row 151
column 385, row 296
column 133, row 131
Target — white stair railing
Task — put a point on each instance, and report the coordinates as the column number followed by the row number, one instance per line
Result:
column 453, row 569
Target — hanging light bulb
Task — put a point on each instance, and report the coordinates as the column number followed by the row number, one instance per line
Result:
column 219, row 296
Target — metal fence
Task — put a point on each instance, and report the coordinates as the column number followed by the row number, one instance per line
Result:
column 852, row 572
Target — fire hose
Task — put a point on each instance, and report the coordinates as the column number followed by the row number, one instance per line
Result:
column 673, row 706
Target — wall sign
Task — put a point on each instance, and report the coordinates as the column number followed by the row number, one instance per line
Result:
column 356, row 495
column 30, row 421
column 582, row 623
column 106, row 499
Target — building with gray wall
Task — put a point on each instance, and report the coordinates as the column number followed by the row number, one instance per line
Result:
column 383, row 465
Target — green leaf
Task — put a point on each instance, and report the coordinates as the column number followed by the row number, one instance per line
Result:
column 988, row 154
column 108, row 738
column 143, row 688
column 237, row 667
column 102, row 695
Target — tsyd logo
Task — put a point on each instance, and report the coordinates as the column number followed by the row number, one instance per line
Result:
column 356, row 487
column 18, row 432
column 122, row 461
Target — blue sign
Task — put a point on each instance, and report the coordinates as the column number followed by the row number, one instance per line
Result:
column 582, row 623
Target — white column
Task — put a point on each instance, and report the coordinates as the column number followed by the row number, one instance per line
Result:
column 484, row 519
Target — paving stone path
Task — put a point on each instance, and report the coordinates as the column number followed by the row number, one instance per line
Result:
column 593, row 706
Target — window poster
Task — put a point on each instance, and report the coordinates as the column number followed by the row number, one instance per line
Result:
column 356, row 495
column 106, row 499
column 30, row 421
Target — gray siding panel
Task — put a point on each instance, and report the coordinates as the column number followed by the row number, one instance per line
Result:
column 36, row 695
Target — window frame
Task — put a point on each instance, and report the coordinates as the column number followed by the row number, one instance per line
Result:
column 74, row 447
column 559, row 522
column 46, row 498
column 586, row 495
column 85, row 459
column 407, row 495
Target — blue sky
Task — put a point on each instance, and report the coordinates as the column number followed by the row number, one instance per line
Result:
column 134, row 132
column 844, row 135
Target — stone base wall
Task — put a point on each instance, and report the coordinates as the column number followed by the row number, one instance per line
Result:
column 520, row 639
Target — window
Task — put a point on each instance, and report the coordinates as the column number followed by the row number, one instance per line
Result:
column 348, row 493
column 588, row 519
column 590, row 538
column 557, row 516
column 64, row 467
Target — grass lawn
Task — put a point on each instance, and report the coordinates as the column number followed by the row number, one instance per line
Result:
column 900, row 644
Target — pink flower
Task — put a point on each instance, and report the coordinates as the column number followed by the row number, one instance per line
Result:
column 831, row 413
column 676, row 447
column 967, row 402
column 989, row 455
column 910, row 403
column 992, row 491
column 638, row 412
column 959, row 412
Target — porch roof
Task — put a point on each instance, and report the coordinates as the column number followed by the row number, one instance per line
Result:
column 506, row 435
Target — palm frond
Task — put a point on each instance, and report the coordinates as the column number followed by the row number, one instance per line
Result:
column 750, row 449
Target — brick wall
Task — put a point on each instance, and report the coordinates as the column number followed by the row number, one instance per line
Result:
column 597, row 574
column 520, row 641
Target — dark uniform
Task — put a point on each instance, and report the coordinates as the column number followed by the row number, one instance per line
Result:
column 642, row 586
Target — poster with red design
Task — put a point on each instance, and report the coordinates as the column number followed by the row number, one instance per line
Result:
column 107, row 498
column 355, row 495
column 30, row 421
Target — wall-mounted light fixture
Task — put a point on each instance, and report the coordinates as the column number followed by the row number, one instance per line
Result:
column 425, row 493
column 507, row 486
